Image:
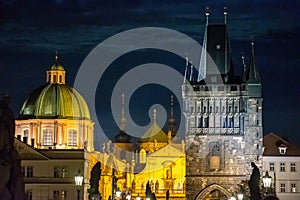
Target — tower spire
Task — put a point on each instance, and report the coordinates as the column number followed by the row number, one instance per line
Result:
column 186, row 69
column 202, row 65
column 253, row 72
column 123, row 119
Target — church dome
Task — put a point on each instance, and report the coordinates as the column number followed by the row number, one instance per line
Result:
column 55, row 99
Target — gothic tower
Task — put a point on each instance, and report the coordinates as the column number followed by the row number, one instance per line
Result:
column 223, row 119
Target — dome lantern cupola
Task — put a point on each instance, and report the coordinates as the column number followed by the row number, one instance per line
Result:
column 56, row 74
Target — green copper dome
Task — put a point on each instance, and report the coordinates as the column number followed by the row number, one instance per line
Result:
column 56, row 66
column 55, row 101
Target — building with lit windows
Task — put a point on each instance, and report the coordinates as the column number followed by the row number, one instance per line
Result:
column 223, row 119
column 54, row 137
column 282, row 161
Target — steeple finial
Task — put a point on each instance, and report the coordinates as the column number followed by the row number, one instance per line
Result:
column 56, row 56
column 123, row 119
column 244, row 68
column 154, row 115
column 207, row 13
column 225, row 12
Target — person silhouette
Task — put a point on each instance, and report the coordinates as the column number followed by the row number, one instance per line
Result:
column 254, row 183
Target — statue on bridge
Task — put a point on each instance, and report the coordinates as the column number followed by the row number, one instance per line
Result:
column 11, row 184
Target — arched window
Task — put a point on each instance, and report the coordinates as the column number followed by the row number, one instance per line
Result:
column 143, row 156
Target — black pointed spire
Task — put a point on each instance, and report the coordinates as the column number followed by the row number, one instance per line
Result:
column 253, row 72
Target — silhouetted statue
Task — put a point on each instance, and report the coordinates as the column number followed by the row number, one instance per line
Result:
column 94, row 180
column 167, row 195
column 133, row 186
column 11, row 178
column 148, row 190
column 156, row 186
column 254, row 183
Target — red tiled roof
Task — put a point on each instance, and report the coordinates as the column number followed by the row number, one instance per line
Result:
column 271, row 143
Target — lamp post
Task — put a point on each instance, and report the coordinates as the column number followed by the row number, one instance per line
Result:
column 128, row 196
column 240, row 196
column 138, row 197
column 78, row 182
column 118, row 193
column 267, row 180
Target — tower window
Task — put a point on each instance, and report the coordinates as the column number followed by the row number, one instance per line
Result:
column 205, row 122
column 218, row 46
column 199, row 122
column 235, row 109
column 48, row 137
column 257, row 135
column 192, row 108
column 60, row 78
column 54, row 78
column 72, row 137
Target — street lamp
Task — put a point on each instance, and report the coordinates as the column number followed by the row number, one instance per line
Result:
column 267, row 180
column 128, row 196
column 78, row 183
column 232, row 198
column 118, row 193
column 240, row 196
column 138, row 197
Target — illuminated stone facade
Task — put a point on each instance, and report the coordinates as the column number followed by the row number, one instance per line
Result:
column 223, row 120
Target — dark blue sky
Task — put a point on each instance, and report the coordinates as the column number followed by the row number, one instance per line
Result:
column 31, row 32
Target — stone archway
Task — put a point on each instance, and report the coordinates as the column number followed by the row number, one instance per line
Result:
column 207, row 190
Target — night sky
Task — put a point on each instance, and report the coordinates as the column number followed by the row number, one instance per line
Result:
column 31, row 32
